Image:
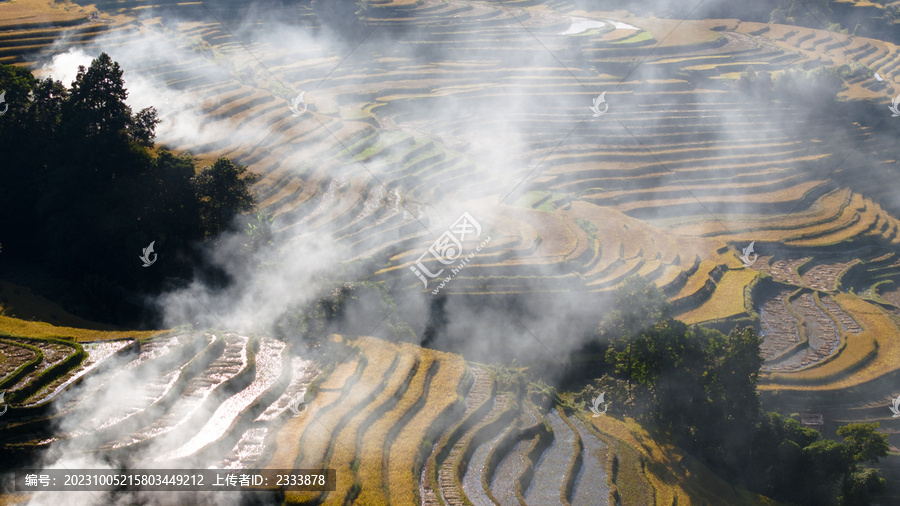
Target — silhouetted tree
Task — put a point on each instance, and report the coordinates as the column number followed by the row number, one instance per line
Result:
column 223, row 191
column 24, row 163
column 96, row 105
column 84, row 194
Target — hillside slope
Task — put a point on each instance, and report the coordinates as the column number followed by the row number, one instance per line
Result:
column 399, row 423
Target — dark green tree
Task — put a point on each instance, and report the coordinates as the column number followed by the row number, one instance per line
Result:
column 223, row 192
column 638, row 305
column 776, row 447
column 792, row 463
column 864, row 442
column 85, row 194
column 734, row 374
column 698, row 387
column 96, row 107
column 259, row 230
column 862, row 487
column 143, row 126
column 174, row 202
column 682, row 379
column 26, row 128
column 819, row 477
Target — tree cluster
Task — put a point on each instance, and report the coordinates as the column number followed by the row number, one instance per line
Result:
column 83, row 192
column 348, row 309
column 794, row 464
column 697, row 387
column 811, row 13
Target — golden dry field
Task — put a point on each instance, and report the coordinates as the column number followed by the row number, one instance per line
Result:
column 434, row 108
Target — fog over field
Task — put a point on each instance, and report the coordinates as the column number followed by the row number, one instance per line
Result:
column 490, row 131
column 466, row 217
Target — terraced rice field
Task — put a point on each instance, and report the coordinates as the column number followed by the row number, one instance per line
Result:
column 426, row 420
column 484, row 107
column 472, row 485
column 503, row 483
column 674, row 143
column 780, row 330
column 592, row 481
column 411, row 419
column 672, row 136
column 546, row 486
